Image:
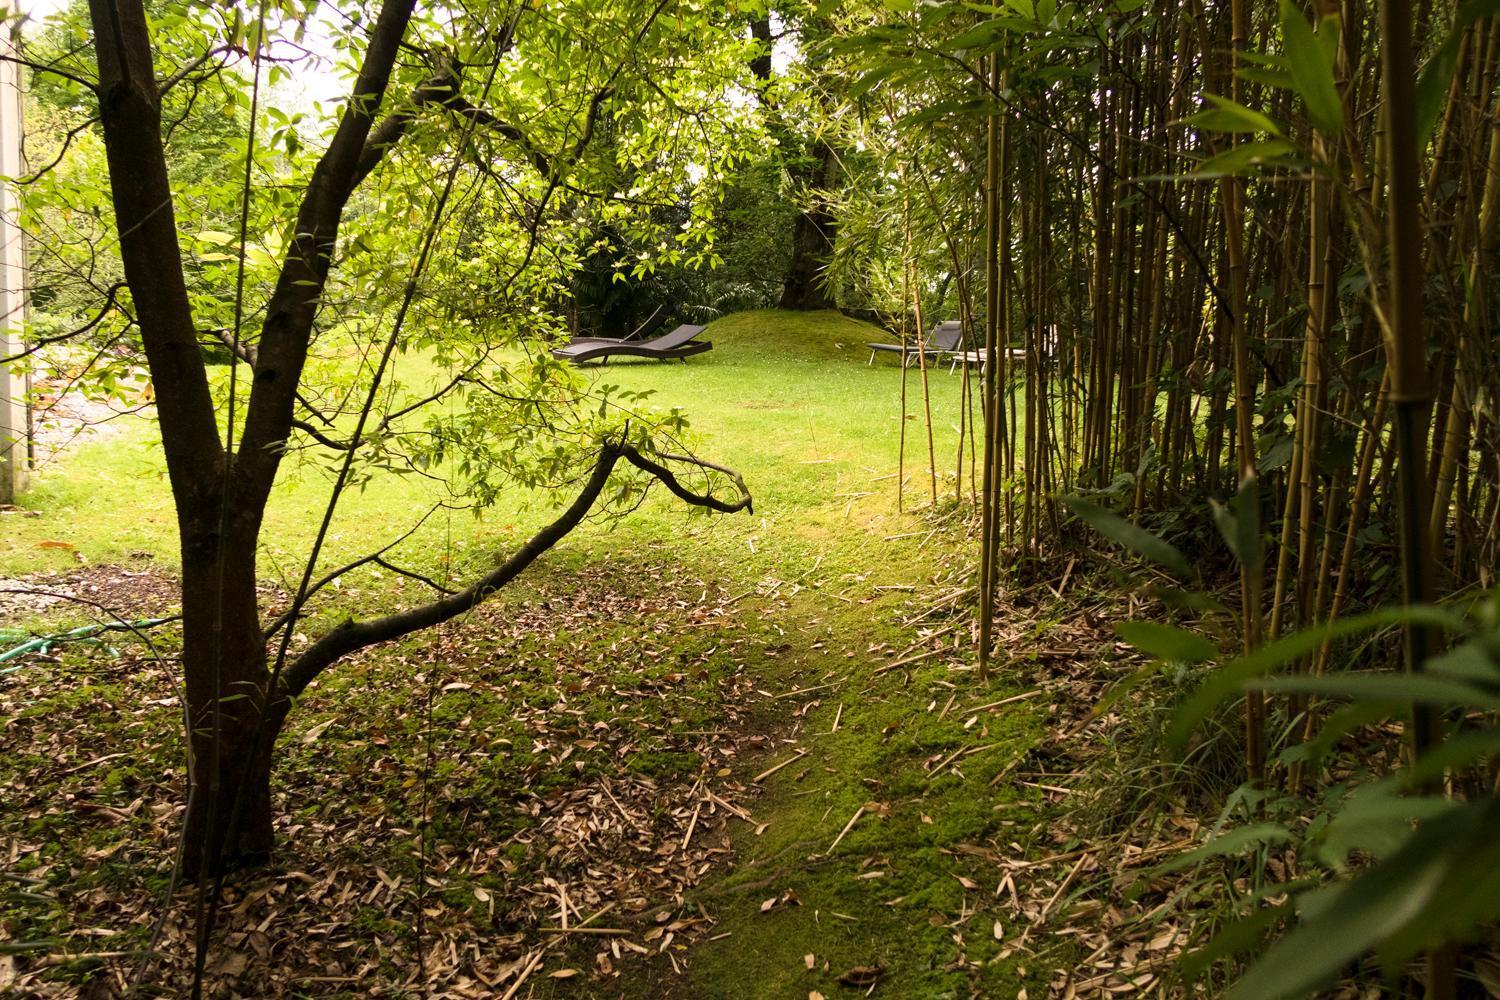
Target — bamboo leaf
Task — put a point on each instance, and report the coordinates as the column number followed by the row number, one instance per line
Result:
column 1167, row 642
column 1311, row 68
column 1368, row 686
column 1228, row 679
column 1231, row 116
column 1441, row 885
column 1242, row 935
column 1437, row 74
column 1242, row 158
column 1240, row 523
column 1132, row 536
column 1233, row 842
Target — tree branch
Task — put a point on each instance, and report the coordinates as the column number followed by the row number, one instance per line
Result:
column 293, row 306
column 110, row 304
column 670, row 481
column 187, row 68
column 353, row 635
column 48, row 68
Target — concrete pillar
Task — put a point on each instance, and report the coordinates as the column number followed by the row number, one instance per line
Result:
column 14, row 425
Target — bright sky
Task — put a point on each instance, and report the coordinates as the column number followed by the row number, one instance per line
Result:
column 310, row 83
column 41, row 8
column 315, row 82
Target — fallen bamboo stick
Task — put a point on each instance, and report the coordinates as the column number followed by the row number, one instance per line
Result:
column 1002, row 701
column 847, row 827
column 772, row 770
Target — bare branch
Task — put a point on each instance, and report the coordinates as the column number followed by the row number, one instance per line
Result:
column 374, row 557
column 670, row 481
column 187, row 68
column 48, row 68
column 109, row 305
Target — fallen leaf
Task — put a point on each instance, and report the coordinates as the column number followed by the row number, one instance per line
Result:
column 311, row 736
column 862, row 976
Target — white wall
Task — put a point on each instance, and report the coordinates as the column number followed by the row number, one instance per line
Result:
column 13, row 425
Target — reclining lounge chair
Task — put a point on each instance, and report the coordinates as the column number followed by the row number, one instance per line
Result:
column 645, row 331
column 677, row 344
column 945, row 338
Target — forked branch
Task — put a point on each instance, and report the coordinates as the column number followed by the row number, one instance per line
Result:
column 355, row 635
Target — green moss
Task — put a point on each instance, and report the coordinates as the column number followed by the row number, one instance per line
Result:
column 662, row 763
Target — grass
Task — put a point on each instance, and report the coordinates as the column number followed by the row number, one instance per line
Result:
column 784, row 398
column 829, row 569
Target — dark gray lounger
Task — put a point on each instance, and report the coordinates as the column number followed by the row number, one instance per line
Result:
column 677, row 344
column 944, row 339
column 654, row 322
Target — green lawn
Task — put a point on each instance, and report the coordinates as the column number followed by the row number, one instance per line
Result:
column 717, row 625
column 785, row 398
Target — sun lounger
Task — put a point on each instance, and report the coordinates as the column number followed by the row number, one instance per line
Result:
column 644, row 332
column 669, row 346
column 977, row 357
column 945, row 338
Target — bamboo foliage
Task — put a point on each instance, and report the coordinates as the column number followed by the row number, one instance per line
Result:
column 1178, row 266
column 1232, row 254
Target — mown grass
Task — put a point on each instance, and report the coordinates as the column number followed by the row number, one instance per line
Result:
column 785, row 398
column 789, row 401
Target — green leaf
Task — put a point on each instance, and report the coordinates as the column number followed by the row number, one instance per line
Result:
column 1472, row 661
column 1457, row 751
column 1311, row 68
column 1167, row 642
column 1230, row 116
column 1120, row 690
column 1245, row 157
column 1186, row 600
column 1266, row 76
column 1227, row 680
column 1376, row 821
column 1339, row 724
column 985, row 35
column 1233, row 842
column 1437, row 75
column 1242, row 935
column 1441, row 885
column 1239, row 523
column 1133, row 537
column 1424, row 689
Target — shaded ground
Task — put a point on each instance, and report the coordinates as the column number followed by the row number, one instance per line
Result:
column 749, row 756
column 90, row 592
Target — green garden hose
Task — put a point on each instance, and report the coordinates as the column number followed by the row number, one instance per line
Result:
column 42, row 643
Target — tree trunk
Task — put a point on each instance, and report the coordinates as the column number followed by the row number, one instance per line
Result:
column 813, row 234
column 230, row 828
column 228, row 824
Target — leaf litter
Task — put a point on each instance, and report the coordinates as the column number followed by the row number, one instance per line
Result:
column 572, row 802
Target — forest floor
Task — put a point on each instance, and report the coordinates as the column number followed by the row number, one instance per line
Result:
column 682, row 757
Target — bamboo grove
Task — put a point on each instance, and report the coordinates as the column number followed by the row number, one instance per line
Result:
column 1216, row 261
column 1178, row 266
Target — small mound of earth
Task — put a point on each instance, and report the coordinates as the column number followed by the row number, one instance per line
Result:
column 91, row 592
